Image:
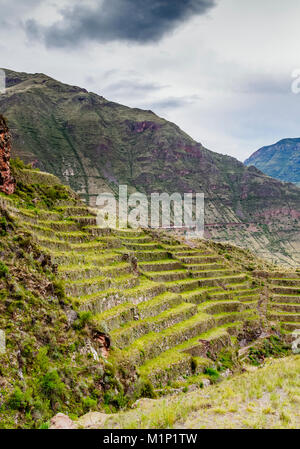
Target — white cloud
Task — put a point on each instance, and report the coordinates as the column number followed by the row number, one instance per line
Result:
column 224, row 77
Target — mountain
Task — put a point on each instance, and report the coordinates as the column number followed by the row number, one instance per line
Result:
column 281, row 160
column 94, row 145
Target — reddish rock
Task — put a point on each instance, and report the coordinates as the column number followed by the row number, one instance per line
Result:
column 7, row 183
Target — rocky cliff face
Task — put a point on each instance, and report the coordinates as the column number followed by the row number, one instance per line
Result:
column 281, row 160
column 7, row 184
column 94, row 145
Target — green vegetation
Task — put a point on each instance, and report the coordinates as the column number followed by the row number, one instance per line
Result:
column 266, row 398
column 94, row 321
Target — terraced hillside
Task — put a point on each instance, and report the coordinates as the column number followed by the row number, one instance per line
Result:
column 285, row 300
column 166, row 307
column 163, row 304
column 94, row 145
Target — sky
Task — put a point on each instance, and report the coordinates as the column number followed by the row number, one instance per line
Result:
column 220, row 69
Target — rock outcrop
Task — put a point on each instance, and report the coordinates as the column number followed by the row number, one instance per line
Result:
column 7, row 183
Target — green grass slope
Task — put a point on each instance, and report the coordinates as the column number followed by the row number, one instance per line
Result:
column 96, row 318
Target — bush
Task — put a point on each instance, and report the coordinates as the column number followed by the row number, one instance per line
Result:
column 213, row 374
column 3, row 270
column 147, row 390
column 51, row 383
column 19, row 400
column 89, row 404
column 84, row 318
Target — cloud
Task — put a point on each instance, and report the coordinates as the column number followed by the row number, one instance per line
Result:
column 136, row 21
column 131, row 88
column 174, row 102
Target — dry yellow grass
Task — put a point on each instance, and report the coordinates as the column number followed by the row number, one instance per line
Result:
column 266, row 398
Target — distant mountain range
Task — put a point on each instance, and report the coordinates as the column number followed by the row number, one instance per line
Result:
column 94, row 145
column 281, row 160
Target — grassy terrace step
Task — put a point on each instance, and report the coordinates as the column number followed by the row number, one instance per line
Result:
column 128, row 232
column 89, row 220
column 102, row 301
column 134, row 330
column 284, row 316
column 167, row 276
column 67, row 236
column 204, row 267
column 158, row 304
column 187, row 359
column 61, row 245
column 96, row 231
column 69, row 211
column 250, row 299
column 96, row 258
column 199, row 295
column 115, row 317
column 154, row 343
column 216, row 307
column 176, row 363
column 143, row 256
column 126, row 312
column 135, row 240
column 231, row 317
column 75, row 272
column 286, row 299
column 200, row 259
column 38, row 214
column 290, row 327
column 179, row 248
column 282, row 307
column 181, row 286
column 285, row 282
column 142, row 246
column 160, row 265
column 221, row 280
column 212, row 273
column 285, row 275
column 247, row 292
column 285, row 290
column 192, row 254
column 239, row 286
column 98, row 284
column 60, row 225
column 191, row 284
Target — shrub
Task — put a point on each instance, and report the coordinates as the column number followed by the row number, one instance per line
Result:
column 89, row 404
column 84, row 318
column 51, row 383
column 3, row 270
column 19, row 400
column 213, row 374
column 147, row 390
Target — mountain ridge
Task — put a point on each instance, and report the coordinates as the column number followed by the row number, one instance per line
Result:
column 93, row 145
column 280, row 160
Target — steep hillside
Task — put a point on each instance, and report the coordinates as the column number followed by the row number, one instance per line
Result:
column 281, row 160
column 94, row 145
column 96, row 318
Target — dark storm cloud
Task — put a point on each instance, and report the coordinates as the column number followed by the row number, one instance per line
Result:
column 139, row 21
